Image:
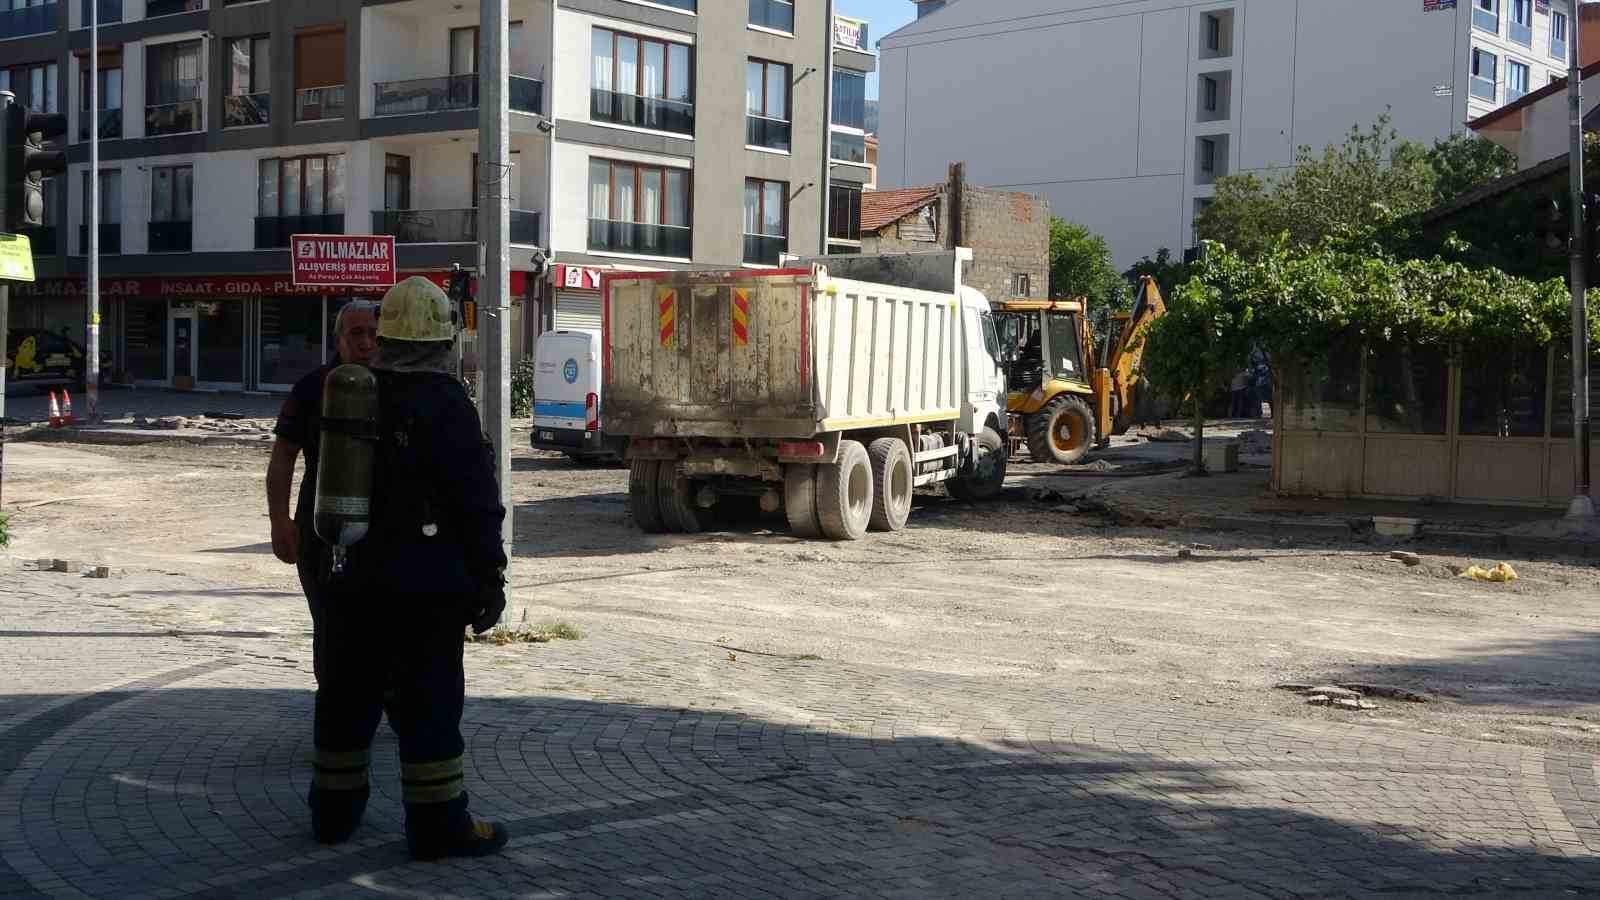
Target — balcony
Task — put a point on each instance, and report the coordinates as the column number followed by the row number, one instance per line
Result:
column 772, row 14
column 240, row 110
column 273, row 232
column 848, row 148
column 427, row 226
column 1520, row 33
column 110, row 12
column 524, row 227
column 43, row 240
column 641, row 112
column 110, row 238
column 1486, row 20
column 764, row 248
column 171, row 237
column 761, row 131
column 450, row 92
column 633, row 237
column 313, row 104
column 110, row 124
column 1558, row 49
column 172, row 118
column 1482, row 88
column 172, row 7
column 28, row 20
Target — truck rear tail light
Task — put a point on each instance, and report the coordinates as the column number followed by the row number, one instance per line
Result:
column 591, row 412
column 801, row 449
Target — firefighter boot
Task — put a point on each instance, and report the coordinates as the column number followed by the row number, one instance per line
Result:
column 441, row 829
column 339, row 793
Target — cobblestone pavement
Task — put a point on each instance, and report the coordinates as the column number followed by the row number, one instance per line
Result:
column 141, row 762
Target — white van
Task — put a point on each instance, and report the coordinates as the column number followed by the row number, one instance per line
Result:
column 566, row 397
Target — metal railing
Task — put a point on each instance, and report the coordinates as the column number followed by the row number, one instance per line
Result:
column 761, row 131
column 172, row 118
column 1482, row 88
column 1520, row 33
column 239, row 110
column 110, row 238
column 427, row 226
column 274, row 231
column 641, row 112
column 172, row 7
column 1486, row 20
column 171, row 237
column 110, row 12
column 28, row 20
column 764, row 248
column 326, row 102
column 450, row 92
column 110, row 124
column 633, row 237
column 526, row 94
column 524, row 227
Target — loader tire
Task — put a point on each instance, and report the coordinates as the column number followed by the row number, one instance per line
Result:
column 844, row 494
column 800, row 500
column 990, row 478
column 1062, row 432
column 892, row 484
column 644, row 499
column 676, row 495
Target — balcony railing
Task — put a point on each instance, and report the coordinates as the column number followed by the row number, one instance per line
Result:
column 43, row 240
column 1482, row 88
column 450, row 92
column 846, row 147
column 761, row 131
column 1558, row 49
column 172, row 118
column 274, row 231
column 524, row 227
column 110, row 11
column 1520, row 33
column 772, row 14
column 641, row 112
column 110, row 124
column 764, row 248
column 28, row 20
column 171, row 237
column 240, row 110
column 110, row 238
column 311, row 104
column 171, row 7
column 633, row 237
column 1487, row 20
column 427, row 226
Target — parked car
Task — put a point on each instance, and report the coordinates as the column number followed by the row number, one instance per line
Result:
column 37, row 356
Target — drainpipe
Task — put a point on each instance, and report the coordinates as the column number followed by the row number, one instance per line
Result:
column 827, row 128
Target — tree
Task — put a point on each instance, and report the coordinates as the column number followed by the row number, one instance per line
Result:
column 1080, row 266
column 1167, row 272
column 1462, row 162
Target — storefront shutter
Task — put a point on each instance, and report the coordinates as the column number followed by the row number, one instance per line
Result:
column 578, row 312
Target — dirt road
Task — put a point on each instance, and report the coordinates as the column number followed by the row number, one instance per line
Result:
column 1013, row 588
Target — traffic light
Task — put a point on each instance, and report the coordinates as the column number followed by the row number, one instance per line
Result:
column 25, row 163
column 460, row 292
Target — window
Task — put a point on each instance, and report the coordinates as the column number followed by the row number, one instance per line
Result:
column 301, row 186
column 766, row 220
column 685, row 5
column 110, row 213
column 249, row 82
column 1558, row 35
column 109, row 96
column 173, row 88
column 638, row 209
column 1021, row 284
column 1486, row 15
column 849, row 99
column 1520, row 28
column 464, row 50
column 1208, row 155
column 1408, row 390
column 1210, row 99
column 35, row 86
column 1517, row 80
column 319, row 56
column 1484, row 65
column 775, row 14
column 171, row 209
column 844, row 213
column 1503, row 390
column 848, row 147
column 1213, row 33
column 641, row 82
column 767, row 105
column 397, row 181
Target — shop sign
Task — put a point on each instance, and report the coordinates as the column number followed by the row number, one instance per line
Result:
column 343, row 260
column 214, row 286
column 1435, row 5
column 850, row 33
column 578, row 277
column 16, row 257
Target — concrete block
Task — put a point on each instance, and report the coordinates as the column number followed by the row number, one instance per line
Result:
column 100, row 572
column 66, row 565
column 1222, row 457
column 1396, row 526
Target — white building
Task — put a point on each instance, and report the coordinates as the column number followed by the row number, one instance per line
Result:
column 1123, row 113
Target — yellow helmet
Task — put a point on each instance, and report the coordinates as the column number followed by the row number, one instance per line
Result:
column 416, row 310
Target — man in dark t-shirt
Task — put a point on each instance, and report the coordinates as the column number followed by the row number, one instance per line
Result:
column 299, row 428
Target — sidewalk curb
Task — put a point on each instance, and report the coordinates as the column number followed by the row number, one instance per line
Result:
column 131, row 437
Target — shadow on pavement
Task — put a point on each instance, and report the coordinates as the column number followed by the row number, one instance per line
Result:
column 204, row 796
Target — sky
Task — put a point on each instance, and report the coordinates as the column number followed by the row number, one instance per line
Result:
column 883, row 16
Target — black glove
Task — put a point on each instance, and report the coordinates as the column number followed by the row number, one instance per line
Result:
column 489, row 605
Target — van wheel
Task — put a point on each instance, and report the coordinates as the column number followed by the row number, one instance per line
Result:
column 800, row 500
column 844, row 494
column 891, row 484
column 1062, row 432
column 644, row 499
column 676, row 495
column 990, row 477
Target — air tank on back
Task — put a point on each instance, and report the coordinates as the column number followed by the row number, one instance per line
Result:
column 345, row 463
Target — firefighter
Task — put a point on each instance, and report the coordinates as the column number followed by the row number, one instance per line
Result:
column 430, row 564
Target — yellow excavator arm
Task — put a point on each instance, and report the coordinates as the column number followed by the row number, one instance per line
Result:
column 1116, row 381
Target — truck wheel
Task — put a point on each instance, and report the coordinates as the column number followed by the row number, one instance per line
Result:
column 644, row 500
column 891, row 484
column 1062, row 432
column 990, row 477
column 800, row 500
column 676, row 495
column 844, row 494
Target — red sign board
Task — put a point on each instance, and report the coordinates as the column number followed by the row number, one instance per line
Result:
column 580, row 277
column 343, row 260
column 213, row 287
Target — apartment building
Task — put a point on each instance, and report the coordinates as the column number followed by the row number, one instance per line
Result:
column 1124, row 113
column 644, row 135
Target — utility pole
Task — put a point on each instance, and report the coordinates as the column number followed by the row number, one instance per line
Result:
column 6, row 98
column 494, row 225
column 1582, row 506
column 91, row 349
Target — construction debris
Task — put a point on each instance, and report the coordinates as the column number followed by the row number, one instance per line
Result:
column 1407, row 557
column 1499, row 574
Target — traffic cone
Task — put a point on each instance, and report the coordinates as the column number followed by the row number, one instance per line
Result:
column 66, row 407
column 55, row 411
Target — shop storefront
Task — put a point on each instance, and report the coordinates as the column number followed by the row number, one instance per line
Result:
column 577, row 296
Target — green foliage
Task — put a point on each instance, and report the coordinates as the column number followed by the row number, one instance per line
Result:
column 1080, row 266
column 1461, row 162
column 522, row 388
column 1168, row 272
column 5, row 531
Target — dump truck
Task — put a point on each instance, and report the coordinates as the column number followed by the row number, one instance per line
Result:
column 1061, row 404
column 830, row 390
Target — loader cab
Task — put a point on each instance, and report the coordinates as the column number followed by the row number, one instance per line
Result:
column 1043, row 340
